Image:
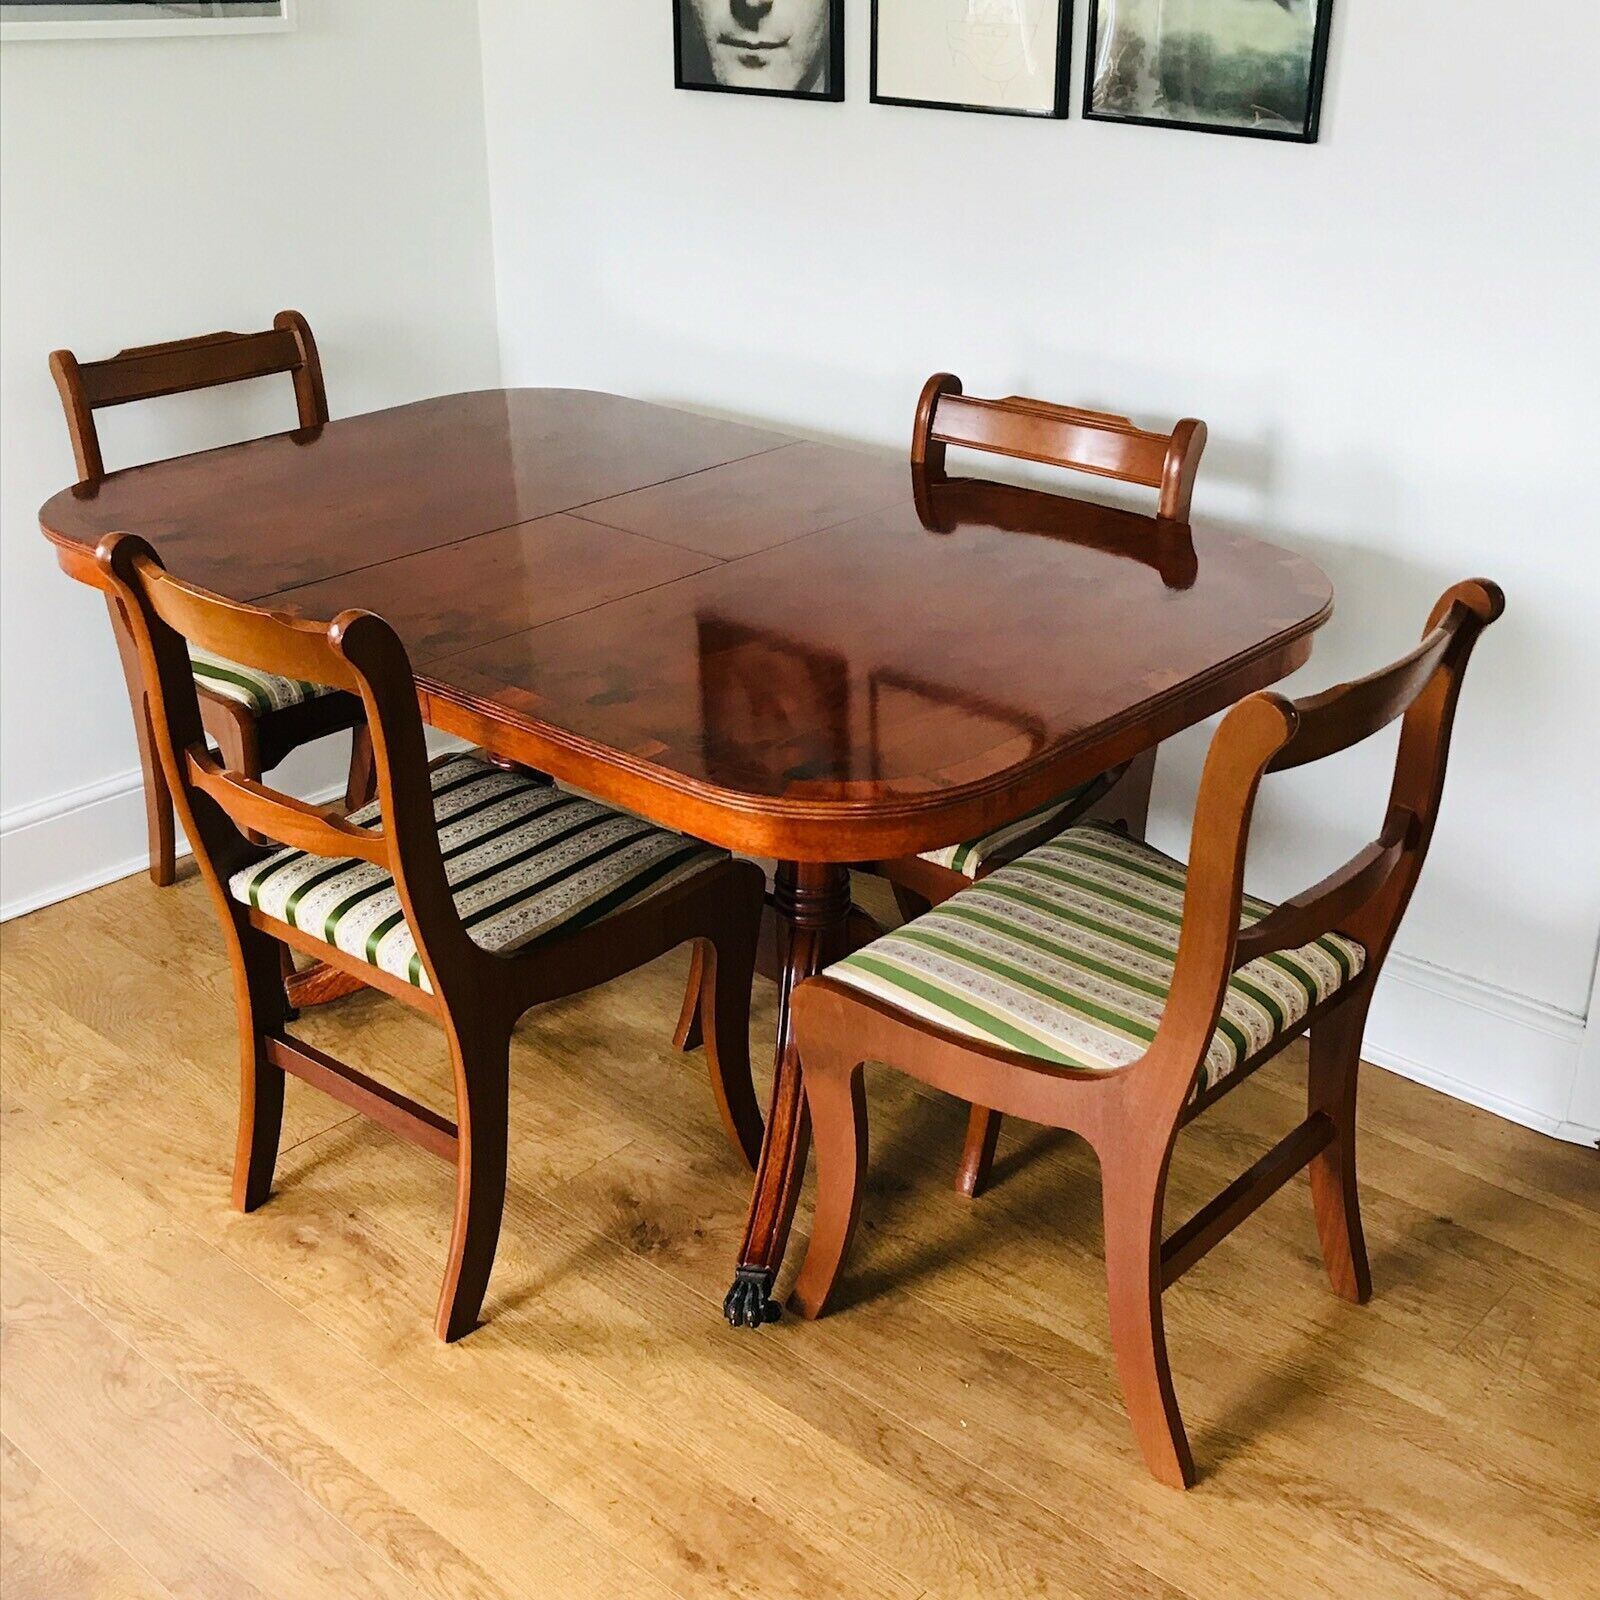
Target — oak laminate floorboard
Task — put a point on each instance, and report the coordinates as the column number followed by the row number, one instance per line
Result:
column 954, row 1430
column 192, row 1503
column 415, row 1489
column 49, row 1547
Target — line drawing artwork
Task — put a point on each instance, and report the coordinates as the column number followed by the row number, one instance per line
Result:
column 996, row 38
column 1005, row 56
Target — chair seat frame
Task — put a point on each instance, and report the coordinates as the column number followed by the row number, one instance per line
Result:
column 1120, row 797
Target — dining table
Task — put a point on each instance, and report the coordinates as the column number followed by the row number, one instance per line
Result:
column 812, row 654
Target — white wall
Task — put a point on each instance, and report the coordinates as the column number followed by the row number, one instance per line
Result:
column 157, row 188
column 1391, row 334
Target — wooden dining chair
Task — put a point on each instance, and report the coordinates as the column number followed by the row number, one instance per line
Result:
column 256, row 718
column 1104, row 445
column 1100, row 986
column 468, row 891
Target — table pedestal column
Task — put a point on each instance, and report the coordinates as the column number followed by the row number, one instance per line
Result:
column 813, row 906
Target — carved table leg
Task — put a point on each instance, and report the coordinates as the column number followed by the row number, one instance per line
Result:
column 813, row 905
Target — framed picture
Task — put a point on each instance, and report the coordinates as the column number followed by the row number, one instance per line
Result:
column 792, row 48
column 1250, row 67
column 122, row 19
column 1004, row 56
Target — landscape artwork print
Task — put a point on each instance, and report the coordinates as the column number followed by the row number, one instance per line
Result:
column 1221, row 66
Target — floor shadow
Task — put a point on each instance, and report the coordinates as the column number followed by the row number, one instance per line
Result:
column 911, row 1179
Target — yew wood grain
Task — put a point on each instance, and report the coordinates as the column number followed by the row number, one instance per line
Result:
column 1039, row 661
column 755, row 503
column 457, row 597
column 252, row 519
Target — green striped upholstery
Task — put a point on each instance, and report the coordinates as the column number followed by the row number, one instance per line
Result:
column 524, row 859
column 968, row 858
column 1067, row 954
column 257, row 691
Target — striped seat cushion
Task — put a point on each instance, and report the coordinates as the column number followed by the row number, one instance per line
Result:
column 968, row 858
column 254, row 689
column 524, row 859
column 1067, row 954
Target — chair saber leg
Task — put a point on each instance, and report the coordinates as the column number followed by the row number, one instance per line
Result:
column 728, row 963
column 264, row 1011
column 1331, row 1088
column 157, row 798
column 689, row 1035
column 837, row 1097
column 1133, row 1192
column 481, row 1056
column 260, row 1127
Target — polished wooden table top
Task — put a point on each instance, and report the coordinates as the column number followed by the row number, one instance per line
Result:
column 792, row 649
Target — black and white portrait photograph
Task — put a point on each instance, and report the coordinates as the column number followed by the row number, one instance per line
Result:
column 1216, row 66
column 793, row 48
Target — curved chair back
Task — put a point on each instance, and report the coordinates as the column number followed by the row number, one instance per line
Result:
column 224, row 811
column 1096, row 442
column 147, row 372
column 1366, row 897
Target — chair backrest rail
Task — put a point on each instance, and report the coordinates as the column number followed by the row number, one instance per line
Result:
column 151, row 371
column 1101, row 443
column 1049, row 408
column 265, row 640
column 1322, row 908
column 1120, row 453
column 1350, row 712
column 227, row 813
column 156, row 370
column 255, row 808
column 1363, row 900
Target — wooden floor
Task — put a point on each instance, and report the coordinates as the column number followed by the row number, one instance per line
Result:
column 198, row 1403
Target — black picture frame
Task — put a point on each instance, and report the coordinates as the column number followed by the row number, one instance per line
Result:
column 1318, row 73
column 687, row 48
column 1061, row 109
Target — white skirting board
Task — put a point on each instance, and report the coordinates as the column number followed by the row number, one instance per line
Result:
column 1516, row 1057
column 72, row 843
column 1488, row 1046
column 89, row 837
